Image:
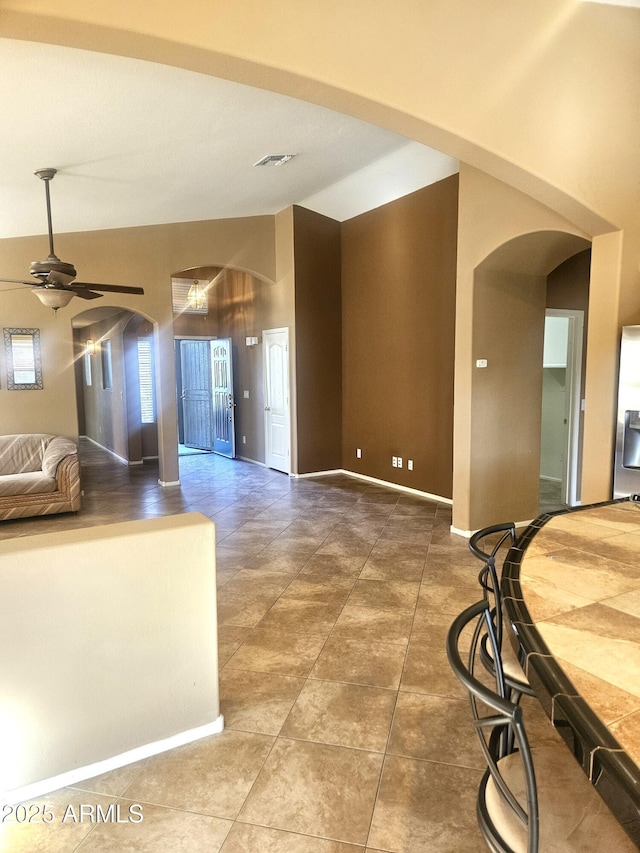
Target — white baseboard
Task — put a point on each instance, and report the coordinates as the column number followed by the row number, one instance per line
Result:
column 318, row 474
column 253, row 461
column 108, row 450
column 377, row 482
column 469, row 533
column 72, row 777
column 165, row 483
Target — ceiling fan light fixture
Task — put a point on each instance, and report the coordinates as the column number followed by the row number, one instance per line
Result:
column 57, row 285
column 52, row 297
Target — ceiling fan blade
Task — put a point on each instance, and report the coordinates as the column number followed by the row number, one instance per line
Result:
column 107, row 288
column 59, row 279
column 85, row 294
column 20, row 281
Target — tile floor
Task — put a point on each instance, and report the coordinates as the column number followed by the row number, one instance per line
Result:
column 550, row 495
column 344, row 729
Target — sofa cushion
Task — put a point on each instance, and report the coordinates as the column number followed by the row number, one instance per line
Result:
column 56, row 450
column 31, row 483
column 20, row 454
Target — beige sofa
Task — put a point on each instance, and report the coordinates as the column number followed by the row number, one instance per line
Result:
column 39, row 475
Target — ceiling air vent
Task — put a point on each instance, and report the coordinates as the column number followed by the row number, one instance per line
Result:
column 274, row 160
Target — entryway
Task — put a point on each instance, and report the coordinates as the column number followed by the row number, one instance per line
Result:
column 233, row 394
column 204, row 378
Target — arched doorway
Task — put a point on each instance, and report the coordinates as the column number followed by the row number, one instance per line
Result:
column 509, row 306
column 115, row 382
column 237, row 307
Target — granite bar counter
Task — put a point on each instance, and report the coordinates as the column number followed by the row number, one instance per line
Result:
column 572, row 596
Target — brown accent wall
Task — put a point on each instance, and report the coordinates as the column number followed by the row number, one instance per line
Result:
column 318, row 310
column 568, row 284
column 195, row 325
column 242, row 309
column 398, row 294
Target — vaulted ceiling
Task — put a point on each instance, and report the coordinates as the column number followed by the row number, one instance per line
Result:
column 137, row 143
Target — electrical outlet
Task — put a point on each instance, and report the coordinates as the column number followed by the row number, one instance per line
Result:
column 399, row 461
column 410, row 464
column 246, row 395
column 394, row 461
column 358, row 453
column 244, row 439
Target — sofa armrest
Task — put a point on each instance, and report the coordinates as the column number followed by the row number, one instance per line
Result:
column 68, row 480
column 55, row 450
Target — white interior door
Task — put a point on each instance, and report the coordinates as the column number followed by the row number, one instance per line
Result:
column 223, row 402
column 275, row 345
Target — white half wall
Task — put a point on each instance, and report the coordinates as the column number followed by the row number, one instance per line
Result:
column 109, row 643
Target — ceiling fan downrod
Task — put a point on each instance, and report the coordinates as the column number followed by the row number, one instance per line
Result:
column 42, row 269
column 46, row 175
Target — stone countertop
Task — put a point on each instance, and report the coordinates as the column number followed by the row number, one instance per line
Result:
column 571, row 588
column 580, row 579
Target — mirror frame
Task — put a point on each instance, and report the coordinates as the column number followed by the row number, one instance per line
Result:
column 12, row 385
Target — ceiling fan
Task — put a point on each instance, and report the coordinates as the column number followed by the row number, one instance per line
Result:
column 55, row 284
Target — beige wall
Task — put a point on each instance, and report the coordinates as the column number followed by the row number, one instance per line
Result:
column 146, row 257
column 51, row 409
column 89, row 683
column 398, row 287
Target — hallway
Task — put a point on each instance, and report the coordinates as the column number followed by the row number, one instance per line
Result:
column 344, row 729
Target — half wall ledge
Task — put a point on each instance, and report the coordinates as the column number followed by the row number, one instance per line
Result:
column 110, row 654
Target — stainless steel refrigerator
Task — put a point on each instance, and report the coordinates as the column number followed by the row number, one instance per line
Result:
column 626, row 476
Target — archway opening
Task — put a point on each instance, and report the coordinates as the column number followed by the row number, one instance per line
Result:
column 115, row 382
column 509, row 307
column 238, row 307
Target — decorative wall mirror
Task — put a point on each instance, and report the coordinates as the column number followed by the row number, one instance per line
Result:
column 24, row 362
